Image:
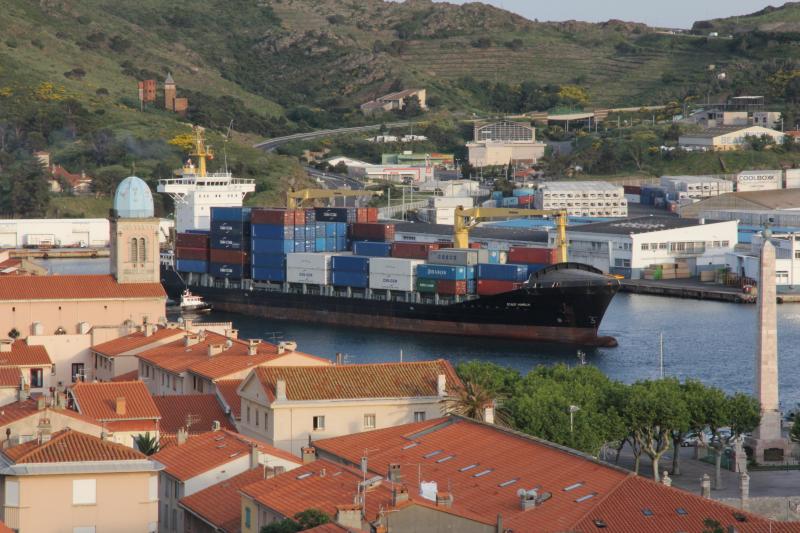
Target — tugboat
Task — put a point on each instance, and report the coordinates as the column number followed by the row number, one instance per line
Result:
column 192, row 303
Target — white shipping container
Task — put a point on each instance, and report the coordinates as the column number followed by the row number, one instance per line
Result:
column 394, row 265
column 392, row 282
column 758, row 180
column 793, row 178
column 312, row 276
column 317, row 261
column 451, row 201
column 459, row 257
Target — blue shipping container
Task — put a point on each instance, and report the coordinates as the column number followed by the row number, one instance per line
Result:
column 229, row 228
column 229, row 242
column 272, row 231
column 350, row 263
column 341, row 243
column 268, row 260
column 343, row 278
column 372, row 249
column 198, row 231
column 191, row 265
column 321, row 229
column 510, row 201
column 299, row 233
column 341, row 229
column 471, row 272
column 272, row 246
column 268, row 274
column 494, row 257
column 523, row 192
column 536, row 267
column 445, row 272
column 231, row 214
column 321, row 244
column 330, row 244
column 497, row 195
column 223, row 270
column 507, row 272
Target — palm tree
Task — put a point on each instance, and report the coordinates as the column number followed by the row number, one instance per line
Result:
column 471, row 401
column 147, row 445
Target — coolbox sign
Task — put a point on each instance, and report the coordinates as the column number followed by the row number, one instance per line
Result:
column 759, row 180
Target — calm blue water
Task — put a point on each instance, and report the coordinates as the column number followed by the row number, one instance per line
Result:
column 711, row 341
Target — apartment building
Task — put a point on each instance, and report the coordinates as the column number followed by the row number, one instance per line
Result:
column 29, row 366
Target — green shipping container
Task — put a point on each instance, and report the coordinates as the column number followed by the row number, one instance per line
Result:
column 426, row 285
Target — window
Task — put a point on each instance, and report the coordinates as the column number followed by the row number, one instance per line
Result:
column 165, row 515
column 84, row 492
column 142, row 251
column 134, row 251
column 319, row 423
column 645, row 246
column 12, row 493
column 247, row 517
column 77, row 372
column 36, row 378
column 248, row 414
column 419, row 416
column 266, row 420
column 174, row 521
column 177, row 487
column 369, row 421
column 256, row 413
column 174, row 383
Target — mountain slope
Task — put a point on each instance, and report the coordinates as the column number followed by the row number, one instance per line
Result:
column 785, row 18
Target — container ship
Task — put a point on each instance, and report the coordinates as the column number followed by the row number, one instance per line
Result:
column 342, row 266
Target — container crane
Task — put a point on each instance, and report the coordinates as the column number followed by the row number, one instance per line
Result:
column 465, row 219
column 295, row 199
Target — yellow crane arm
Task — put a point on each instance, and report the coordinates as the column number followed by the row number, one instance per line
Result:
column 295, row 199
column 467, row 218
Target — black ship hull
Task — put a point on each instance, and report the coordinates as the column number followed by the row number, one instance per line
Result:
column 563, row 303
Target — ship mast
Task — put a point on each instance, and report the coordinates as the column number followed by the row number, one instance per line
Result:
column 201, row 150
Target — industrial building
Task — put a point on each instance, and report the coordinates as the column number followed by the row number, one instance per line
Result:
column 503, row 143
column 626, row 247
column 394, row 101
column 583, row 198
column 770, row 200
column 787, row 259
column 493, row 238
column 695, row 187
column 726, row 137
column 413, row 159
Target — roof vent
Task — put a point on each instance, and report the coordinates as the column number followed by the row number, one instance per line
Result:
column 599, row 524
column 585, row 497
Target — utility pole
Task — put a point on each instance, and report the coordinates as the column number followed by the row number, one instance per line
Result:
column 661, row 354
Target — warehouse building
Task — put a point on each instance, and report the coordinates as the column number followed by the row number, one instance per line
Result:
column 61, row 232
column 787, row 260
column 503, row 143
column 769, row 200
column 414, row 159
column 727, row 138
column 695, row 187
column 491, row 237
column 627, row 247
column 583, row 198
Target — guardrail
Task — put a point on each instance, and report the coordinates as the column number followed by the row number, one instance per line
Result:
column 389, row 212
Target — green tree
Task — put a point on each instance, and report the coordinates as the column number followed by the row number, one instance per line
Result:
column 471, row 401
column 654, row 409
column 694, row 395
column 411, row 106
column 491, row 376
column 717, row 415
column 311, row 518
column 287, row 525
column 29, row 194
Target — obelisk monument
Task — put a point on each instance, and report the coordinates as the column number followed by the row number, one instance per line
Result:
column 768, row 435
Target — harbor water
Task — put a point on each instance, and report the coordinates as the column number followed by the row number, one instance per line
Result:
column 710, row 341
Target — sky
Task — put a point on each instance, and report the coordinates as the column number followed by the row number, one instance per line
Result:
column 672, row 13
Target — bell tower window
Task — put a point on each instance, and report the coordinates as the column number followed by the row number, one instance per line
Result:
column 134, row 251
column 142, row 250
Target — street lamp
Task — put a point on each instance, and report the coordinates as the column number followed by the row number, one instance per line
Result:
column 572, row 410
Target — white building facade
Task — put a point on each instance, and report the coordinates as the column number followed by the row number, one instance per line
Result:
column 787, row 259
column 583, row 198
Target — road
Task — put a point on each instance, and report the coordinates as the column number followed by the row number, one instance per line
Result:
column 271, row 144
column 333, row 181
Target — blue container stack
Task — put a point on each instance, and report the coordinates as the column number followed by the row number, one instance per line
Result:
column 372, row 249
column 507, row 272
column 350, row 271
column 522, row 191
column 442, row 272
column 230, row 230
column 497, row 196
column 191, row 265
column 511, row 201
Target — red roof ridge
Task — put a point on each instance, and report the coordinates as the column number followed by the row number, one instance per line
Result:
column 32, row 448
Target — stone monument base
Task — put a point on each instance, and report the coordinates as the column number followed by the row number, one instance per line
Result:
column 767, row 451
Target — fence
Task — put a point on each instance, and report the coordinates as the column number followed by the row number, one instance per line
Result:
column 389, row 212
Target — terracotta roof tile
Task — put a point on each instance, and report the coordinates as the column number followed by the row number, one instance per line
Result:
column 9, row 377
column 205, row 451
column 321, row 484
column 5, row 529
column 98, row 400
column 220, row 504
column 228, row 389
column 135, row 341
column 23, row 354
column 71, row 446
column 201, row 409
column 133, row 375
column 74, row 287
column 16, row 411
column 381, row 380
column 331, row 527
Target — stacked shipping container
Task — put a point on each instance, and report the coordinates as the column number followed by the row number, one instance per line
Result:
column 229, row 254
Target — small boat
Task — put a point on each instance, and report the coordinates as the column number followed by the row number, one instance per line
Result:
column 192, row 303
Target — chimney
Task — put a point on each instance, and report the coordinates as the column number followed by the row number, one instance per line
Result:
column 444, row 499
column 215, row 425
column 705, row 486
column 190, row 339
column 215, row 349
column 309, row 454
column 149, row 329
column 744, row 490
column 280, row 389
column 488, row 413
column 281, row 348
column 399, row 495
column 40, row 403
column 187, row 324
column 527, row 498
column 441, row 385
column 5, row 345
column 499, row 527
column 45, row 428
column 182, row 436
column 339, row 358
column 232, row 333
column 394, row 473
column 120, row 406
column 278, row 470
column 666, row 480
column 255, row 455
column 252, row 346
column 349, row 516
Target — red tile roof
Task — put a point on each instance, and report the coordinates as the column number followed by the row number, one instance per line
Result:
column 74, row 180
column 452, row 450
column 135, row 341
column 227, row 388
column 201, row 453
column 322, row 485
column 201, row 409
column 71, row 446
column 9, row 377
column 5, row 529
column 74, row 287
column 133, row 375
column 381, row 380
column 220, row 504
column 98, row 400
column 23, row 354
column 330, row 527
column 16, row 411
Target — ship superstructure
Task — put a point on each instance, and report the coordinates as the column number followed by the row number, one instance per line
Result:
column 196, row 191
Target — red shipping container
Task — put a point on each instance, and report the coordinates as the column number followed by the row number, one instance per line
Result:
column 230, row 257
column 372, row 232
column 475, row 245
column 197, row 254
column 282, row 217
column 413, row 250
column 299, row 217
column 487, row 287
column 525, row 200
column 446, row 286
column 443, row 245
column 522, row 255
column 372, row 214
column 361, row 215
column 191, row 240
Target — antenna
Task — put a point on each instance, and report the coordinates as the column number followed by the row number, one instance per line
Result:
column 225, row 146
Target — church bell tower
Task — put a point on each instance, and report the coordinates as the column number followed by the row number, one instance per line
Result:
column 134, row 234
